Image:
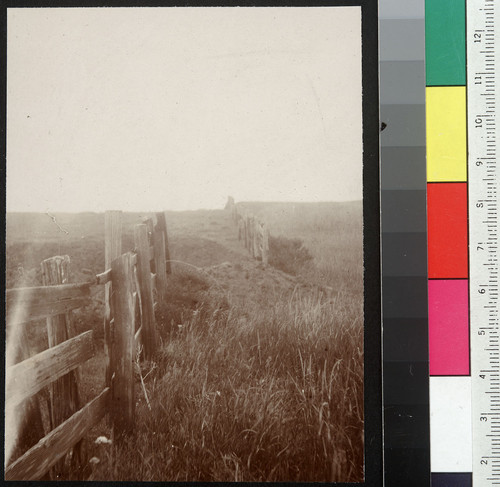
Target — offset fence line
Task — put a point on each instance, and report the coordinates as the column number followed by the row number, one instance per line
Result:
column 251, row 230
column 131, row 281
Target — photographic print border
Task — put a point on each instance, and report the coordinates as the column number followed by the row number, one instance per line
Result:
column 371, row 198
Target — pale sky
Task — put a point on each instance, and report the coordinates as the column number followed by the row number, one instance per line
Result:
column 144, row 109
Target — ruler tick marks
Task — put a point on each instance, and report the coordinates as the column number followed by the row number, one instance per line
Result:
column 482, row 30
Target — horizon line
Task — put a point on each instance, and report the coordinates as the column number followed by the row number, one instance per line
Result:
column 187, row 209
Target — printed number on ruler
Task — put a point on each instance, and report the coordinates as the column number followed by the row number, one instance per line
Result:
column 483, row 19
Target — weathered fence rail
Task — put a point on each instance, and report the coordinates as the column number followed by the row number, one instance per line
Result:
column 131, row 281
column 253, row 231
column 34, row 303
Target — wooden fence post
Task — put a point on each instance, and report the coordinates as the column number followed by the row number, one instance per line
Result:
column 231, row 206
column 240, row 229
column 150, row 228
column 64, row 394
column 146, row 290
column 162, row 225
column 265, row 244
column 122, row 390
column 112, row 250
column 252, row 236
column 159, row 256
column 229, row 203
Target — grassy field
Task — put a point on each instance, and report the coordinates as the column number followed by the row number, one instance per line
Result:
column 259, row 376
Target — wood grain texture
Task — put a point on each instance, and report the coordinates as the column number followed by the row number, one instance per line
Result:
column 24, row 312
column 112, row 250
column 123, row 350
column 41, row 294
column 34, row 303
column 162, row 225
column 26, row 378
column 103, row 277
column 64, row 392
column 145, row 290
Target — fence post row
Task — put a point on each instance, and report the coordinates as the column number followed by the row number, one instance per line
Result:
column 253, row 232
column 56, row 270
column 131, row 280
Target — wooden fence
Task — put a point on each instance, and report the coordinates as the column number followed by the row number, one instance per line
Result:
column 132, row 280
column 253, row 231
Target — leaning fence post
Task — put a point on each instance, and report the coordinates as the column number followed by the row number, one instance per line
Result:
column 162, row 225
column 64, row 394
column 146, row 289
column 160, row 266
column 122, row 391
column 112, row 250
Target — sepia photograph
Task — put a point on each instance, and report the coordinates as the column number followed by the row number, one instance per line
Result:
column 185, row 292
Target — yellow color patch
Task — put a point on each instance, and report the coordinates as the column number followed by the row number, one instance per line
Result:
column 446, row 133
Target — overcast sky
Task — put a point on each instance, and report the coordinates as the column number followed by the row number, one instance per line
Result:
column 175, row 108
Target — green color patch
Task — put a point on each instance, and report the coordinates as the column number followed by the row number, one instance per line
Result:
column 445, row 42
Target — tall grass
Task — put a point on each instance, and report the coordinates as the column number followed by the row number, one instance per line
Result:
column 274, row 397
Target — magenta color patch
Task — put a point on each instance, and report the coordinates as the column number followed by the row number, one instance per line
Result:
column 449, row 327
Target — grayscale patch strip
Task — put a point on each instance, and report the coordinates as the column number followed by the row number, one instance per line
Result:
column 404, row 243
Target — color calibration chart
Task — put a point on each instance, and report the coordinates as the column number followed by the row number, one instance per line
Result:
column 462, row 230
column 447, row 227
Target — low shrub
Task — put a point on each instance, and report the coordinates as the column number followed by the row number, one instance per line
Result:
column 288, row 254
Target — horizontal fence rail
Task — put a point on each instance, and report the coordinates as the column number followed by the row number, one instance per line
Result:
column 30, row 304
column 48, row 451
column 30, row 376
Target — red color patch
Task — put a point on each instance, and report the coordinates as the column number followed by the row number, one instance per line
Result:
column 447, row 230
